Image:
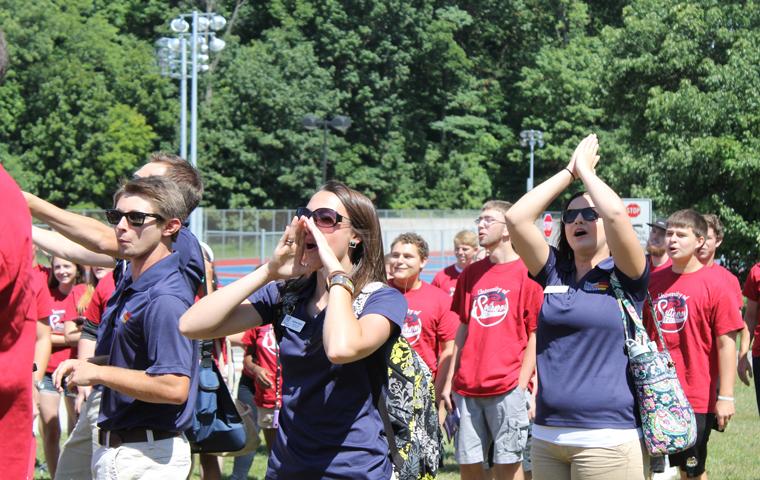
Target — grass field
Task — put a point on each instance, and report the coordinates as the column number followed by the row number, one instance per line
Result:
column 733, row 455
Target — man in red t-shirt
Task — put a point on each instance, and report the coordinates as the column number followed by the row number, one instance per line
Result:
column 706, row 255
column 430, row 326
column 699, row 319
column 657, row 252
column 495, row 352
column 17, row 326
column 17, row 321
column 752, row 292
column 465, row 249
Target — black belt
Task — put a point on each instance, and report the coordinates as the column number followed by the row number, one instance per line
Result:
column 133, row 435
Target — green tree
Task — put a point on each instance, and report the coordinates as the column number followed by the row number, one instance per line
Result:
column 85, row 104
column 683, row 82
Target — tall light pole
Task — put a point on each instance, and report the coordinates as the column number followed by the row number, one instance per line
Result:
column 338, row 122
column 532, row 138
column 173, row 60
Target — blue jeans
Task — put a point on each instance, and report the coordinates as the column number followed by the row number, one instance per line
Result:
column 243, row 463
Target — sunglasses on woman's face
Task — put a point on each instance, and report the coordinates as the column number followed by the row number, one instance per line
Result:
column 588, row 213
column 323, row 217
column 135, row 219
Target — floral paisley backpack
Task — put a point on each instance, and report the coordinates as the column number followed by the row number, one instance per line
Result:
column 667, row 419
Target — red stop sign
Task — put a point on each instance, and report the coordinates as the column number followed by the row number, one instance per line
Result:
column 633, row 210
column 548, row 225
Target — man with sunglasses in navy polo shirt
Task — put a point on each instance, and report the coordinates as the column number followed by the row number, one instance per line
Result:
column 87, row 241
column 151, row 372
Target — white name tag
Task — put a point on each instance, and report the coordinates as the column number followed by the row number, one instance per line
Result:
column 556, row 289
column 292, row 323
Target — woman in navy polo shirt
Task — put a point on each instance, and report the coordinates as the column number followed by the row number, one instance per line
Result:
column 329, row 426
column 586, row 423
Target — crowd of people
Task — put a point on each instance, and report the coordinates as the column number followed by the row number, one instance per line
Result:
column 525, row 344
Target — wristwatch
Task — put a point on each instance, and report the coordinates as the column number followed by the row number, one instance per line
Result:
column 39, row 384
column 343, row 280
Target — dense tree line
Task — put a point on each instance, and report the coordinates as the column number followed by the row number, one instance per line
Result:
column 438, row 92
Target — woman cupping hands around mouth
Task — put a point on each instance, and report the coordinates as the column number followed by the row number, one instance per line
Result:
column 327, row 422
column 580, row 339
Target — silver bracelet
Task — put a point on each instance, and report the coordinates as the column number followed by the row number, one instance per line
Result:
column 726, row 398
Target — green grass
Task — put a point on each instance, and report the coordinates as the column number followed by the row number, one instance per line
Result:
column 733, row 455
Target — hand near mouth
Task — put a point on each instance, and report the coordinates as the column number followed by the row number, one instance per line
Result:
column 329, row 261
column 286, row 261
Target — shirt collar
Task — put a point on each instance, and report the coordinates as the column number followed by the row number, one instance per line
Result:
column 606, row 265
column 156, row 273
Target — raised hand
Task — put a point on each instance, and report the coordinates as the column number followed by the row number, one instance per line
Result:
column 585, row 156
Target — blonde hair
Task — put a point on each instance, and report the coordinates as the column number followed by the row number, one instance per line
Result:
column 466, row 237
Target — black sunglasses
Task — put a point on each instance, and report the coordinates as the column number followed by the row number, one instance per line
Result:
column 135, row 219
column 588, row 213
column 323, row 217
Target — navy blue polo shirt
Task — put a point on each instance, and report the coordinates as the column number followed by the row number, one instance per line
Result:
column 583, row 378
column 146, row 337
column 329, row 424
column 191, row 267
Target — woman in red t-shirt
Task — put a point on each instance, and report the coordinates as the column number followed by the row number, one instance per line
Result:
column 65, row 292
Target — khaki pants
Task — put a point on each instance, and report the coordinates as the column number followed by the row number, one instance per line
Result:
column 152, row 460
column 628, row 461
column 75, row 461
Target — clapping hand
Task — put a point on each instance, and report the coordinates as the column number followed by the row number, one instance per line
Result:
column 585, row 156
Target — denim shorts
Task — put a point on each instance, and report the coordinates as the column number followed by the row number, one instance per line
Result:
column 48, row 388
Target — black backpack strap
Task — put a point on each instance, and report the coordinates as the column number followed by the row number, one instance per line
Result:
column 207, row 356
column 398, row 462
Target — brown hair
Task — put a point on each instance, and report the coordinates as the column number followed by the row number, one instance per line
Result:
column 466, row 237
column 53, row 282
column 688, row 218
column 367, row 257
column 498, row 205
column 161, row 192
column 187, row 178
column 714, row 222
column 416, row 240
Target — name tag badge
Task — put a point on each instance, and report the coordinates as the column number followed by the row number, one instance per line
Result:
column 292, row 323
column 556, row 289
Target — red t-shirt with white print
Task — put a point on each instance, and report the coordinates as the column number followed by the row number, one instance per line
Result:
column 500, row 305
column 752, row 292
column 446, row 279
column 429, row 322
column 693, row 309
column 64, row 307
column 263, row 343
